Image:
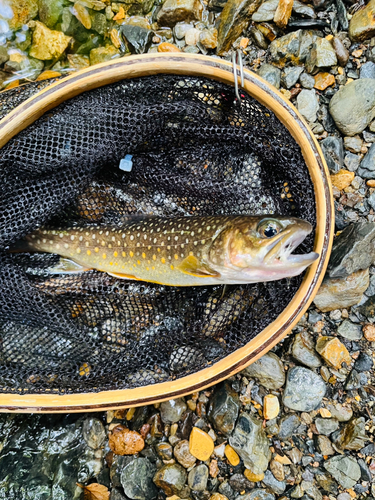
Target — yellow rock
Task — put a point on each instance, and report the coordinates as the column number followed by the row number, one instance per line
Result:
column 362, row 24
column 46, row 75
column 218, row 496
column 371, row 183
column 342, row 179
column 168, row 47
column 333, row 351
column 255, row 478
column 325, row 413
column 323, row 80
column 130, row 413
column 271, row 406
column 283, row 12
column 283, row 460
column 82, row 14
column 47, row 44
column 201, row 444
column 231, row 455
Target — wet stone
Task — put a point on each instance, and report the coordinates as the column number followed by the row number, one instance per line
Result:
column 350, row 330
column 23, row 11
column 138, row 38
column 352, row 436
column 307, row 104
column 271, row 74
column 307, row 81
column 353, row 106
column 171, row 479
column 304, row 389
column 266, row 11
column 363, row 363
column 353, row 250
column 303, row 350
column 362, row 24
column 239, row 483
column 197, row 478
column 355, row 380
column 273, row 484
column 174, row 11
column 50, row 11
column 293, row 48
column 326, row 426
column 290, row 75
column 325, row 445
column 93, row 433
column 303, row 9
column 258, row 494
column 47, row 44
column 288, row 425
column 137, row 479
column 322, row 55
column 183, row 455
column 344, row 469
column 367, row 70
column 102, row 54
column 366, row 169
column 333, row 152
column 171, row 411
column 353, row 144
column 365, row 472
column 208, row 38
column 341, row 53
column 341, row 293
column 268, row 370
column 224, row 408
column 352, row 162
column 250, row 442
column 340, row 412
column 234, row 18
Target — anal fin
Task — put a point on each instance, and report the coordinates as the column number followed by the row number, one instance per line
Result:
column 67, row 266
column 124, row 276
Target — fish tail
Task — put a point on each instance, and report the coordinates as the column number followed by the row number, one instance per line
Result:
column 26, row 244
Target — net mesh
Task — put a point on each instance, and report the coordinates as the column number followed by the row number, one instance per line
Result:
column 196, row 151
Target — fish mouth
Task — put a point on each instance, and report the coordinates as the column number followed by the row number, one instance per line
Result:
column 282, row 246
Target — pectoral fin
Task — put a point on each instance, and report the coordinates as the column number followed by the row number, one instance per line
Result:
column 191, row 265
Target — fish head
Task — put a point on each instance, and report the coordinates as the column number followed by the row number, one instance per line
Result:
column 261, row 248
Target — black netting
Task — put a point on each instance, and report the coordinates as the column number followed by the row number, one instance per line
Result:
column 195, row 152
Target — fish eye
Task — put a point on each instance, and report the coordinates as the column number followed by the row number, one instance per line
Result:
column 269, row 228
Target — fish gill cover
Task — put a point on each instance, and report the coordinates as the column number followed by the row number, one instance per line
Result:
column 194, row 152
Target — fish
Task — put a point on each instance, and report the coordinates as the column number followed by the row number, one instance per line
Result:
column 183, row 251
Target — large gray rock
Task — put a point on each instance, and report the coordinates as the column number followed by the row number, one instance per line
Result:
column 322, row 55
column 308, row 104
column 137, row 479
column 304, row 389
column 326, row 426
column 350, row 331
column 271, row 74
column 224, row 408
column 269, row 370
column 367, row 166
column 353, row 250
column 290, row 76
column 198, row 477
column 249, row 440
column 171, row 479
column 353, row 106
column 333, row 151
column 293, row 48
column 266, row 11
column 273, row 484
column 339, row 293
column 344, row 469
column 303, row 350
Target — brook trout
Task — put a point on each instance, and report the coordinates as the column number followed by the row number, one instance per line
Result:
column 184, row 251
